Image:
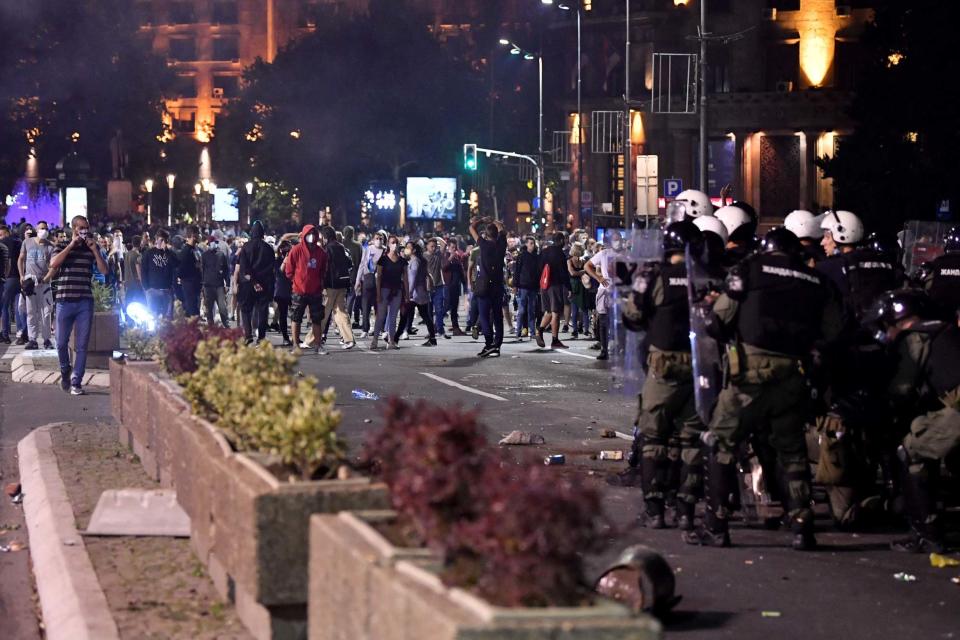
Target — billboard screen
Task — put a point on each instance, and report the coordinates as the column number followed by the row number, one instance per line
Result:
column 76, row 204
column 226, row 205
column 432, row 198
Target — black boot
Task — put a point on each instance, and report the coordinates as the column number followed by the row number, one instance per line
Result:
column 922, row 539
column 653, row 515
column 714, row 533
column 685, row 512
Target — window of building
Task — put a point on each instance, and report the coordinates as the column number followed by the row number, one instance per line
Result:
column 143, row 11
column 226, row 48
column 181, row 12
column 226, row 86
column 783, row 67
column 183, row 49
column 718, row 71
column 185, row 87
column 225, row 12
column 784, row 5
column 185, row 122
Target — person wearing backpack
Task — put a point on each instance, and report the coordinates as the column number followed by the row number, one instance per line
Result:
column 337, row 286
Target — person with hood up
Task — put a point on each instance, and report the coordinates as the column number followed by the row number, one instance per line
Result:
column 306, row 267
column 255, row 282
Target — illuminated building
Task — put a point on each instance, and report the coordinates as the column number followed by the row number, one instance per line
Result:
column 779, row 88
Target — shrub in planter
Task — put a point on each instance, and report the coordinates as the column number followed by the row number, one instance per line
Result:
column 180, row 339
column 432, row 459
column 142, row 345
column 514, row 534
column 526, row 547
column 251, row 393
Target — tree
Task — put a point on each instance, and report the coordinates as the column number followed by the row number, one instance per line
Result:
column 77, row 67
column 372, row 96
column 902, row 159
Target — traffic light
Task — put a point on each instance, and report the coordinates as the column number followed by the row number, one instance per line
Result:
column 470, row 157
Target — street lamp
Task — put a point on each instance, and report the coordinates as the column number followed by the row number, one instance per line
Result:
column 527, row 55
column 197, row 190
column 249, row 200
column 148, row 185
column 171, row 178
column 701, row 89
column 566, row 7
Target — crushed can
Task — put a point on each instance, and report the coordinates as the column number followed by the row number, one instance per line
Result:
column 555, row 460
column 611, row 455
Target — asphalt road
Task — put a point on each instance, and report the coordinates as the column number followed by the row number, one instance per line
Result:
column 847, row 589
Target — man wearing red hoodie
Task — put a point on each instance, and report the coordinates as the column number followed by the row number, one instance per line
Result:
column 306, row 267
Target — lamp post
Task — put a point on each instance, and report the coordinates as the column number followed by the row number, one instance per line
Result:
column 566, row 7
column 701, row 90
column 249, row 200
column 211, row 202
column 197, row 190
column 628, row 149
column 148, row 185
column 517, row 50
column 171, row 178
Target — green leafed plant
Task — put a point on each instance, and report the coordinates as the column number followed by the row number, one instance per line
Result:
column 251, row 393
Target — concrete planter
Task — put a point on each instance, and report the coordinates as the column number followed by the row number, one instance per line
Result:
column 104, row 339
column 364, row 588
column 131, row 388
column 250, row 529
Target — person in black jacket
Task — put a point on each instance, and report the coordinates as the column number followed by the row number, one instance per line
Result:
column 158, row 270
column 215, row 274
column 526, row 282
column 256, row 266
column 338, row 280
column 555, row 295
column 283, row 293
column 188, row 271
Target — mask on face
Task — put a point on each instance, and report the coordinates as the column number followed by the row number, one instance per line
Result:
column 213, row 246
column 42, row 234
column 82, row 233
column 408, row 252
column 309, row 239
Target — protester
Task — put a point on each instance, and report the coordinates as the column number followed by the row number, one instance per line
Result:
column 306, row 266
column 416, row 296
column 489, row 284
column 10, row 285
column 72, row 264
column 391, row 274
column 214, row 277
column 339, row 270
column 255, row 279
column 365, row 282
column 283, row 293
column 556, row 277
column 189, row 272
column 34, row 265
column 158, row 268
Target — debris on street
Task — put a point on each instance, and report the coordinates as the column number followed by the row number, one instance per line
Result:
column 611, row 455
column 938, row 561
column 523, row 438
column 905, row 577
column 608, row 433
column 555, row 460
column 363, row 394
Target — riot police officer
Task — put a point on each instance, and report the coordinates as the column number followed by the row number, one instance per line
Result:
column 928, row 357
column 806, row 226
column 777, row 308
column 667, row 412
column 943, row 279
column 740, row 220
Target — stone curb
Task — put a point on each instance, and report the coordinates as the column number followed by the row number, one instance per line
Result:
column 74, row 606
column 28, row 375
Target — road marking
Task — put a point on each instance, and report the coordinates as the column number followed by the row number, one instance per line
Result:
column 623, row 436
column 574, row 353
column 463, row 387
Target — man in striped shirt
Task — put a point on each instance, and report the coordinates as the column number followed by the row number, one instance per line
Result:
column 73, row 264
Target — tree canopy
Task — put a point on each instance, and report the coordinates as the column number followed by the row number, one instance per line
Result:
column 902, row 159
column 365, row 97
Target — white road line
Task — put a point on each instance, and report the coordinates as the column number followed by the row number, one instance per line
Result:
column 463, row 387
column 573, row 353
column 623, row 436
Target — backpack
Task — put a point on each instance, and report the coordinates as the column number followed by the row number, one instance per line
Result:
column 545, row 278
column 340, row 267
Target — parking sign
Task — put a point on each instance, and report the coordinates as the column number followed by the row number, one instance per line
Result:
column 672, row 187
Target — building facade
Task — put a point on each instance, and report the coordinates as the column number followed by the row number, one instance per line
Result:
column 780, row 79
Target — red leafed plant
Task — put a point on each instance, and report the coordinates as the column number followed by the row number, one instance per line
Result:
column 432, row 459
column 179, row 340
column 513, row 533
column 526, row 548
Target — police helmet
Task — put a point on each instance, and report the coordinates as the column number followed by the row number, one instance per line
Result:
column 951, row 241
column 678, row 235
column 740, row 204
column 697, row 203
column 844, row 226
column 804, row 224
column 883, row 243
column 740, row 225
column 781, row 240
column 712, row 225
column 893, row 306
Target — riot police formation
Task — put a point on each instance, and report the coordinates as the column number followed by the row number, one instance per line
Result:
column 831, row 372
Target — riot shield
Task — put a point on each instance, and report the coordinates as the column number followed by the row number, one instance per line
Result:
column 922, row 242
column 628, row 349
column 705, row 350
